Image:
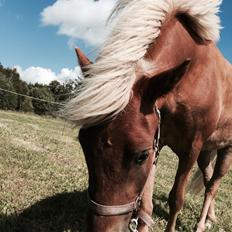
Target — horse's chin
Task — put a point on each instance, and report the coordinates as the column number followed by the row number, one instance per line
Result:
column 108, row 223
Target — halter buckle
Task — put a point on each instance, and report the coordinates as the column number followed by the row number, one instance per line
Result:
column 138, row 202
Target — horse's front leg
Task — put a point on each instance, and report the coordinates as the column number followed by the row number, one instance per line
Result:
column 147, row 205
column 176, row 196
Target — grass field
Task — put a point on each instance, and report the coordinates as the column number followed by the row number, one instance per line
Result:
column 43, row 180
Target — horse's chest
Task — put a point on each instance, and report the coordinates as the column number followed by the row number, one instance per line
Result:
column 220, row 138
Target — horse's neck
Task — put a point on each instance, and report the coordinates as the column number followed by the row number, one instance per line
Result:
column 204, row 95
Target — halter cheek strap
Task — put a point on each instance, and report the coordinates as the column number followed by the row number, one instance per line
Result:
column 104, row 210
column 135, row 206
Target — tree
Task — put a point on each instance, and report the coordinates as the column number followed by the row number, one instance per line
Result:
column 57, row 89
column 8, row 101
column 62, row 92
column 41, row 107
column 27, row 105
column 19, row 87
column 54, row 92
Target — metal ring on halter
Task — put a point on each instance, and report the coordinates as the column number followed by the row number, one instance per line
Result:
column 133, row 225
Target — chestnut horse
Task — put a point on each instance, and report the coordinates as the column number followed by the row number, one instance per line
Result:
column 158, row 73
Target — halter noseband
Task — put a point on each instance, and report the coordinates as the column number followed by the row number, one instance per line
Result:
column 116, row 210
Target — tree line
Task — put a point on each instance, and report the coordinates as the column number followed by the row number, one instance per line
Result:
column 53, row 93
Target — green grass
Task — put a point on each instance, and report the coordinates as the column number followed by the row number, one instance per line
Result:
column 43, row 180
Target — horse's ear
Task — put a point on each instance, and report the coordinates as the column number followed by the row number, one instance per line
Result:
column 82, row 59
column 163, row 83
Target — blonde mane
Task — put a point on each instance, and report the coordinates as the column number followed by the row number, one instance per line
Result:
column 137, row 24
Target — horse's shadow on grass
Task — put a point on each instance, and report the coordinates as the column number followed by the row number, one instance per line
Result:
column 64, row 212
column 161, row 208
column 59, row 213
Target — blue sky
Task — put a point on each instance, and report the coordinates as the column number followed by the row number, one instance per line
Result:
column 226, row 34
column 29, row 39
column 23, row 41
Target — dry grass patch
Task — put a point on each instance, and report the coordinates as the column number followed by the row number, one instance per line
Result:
column 43, row 180
column 26, row 144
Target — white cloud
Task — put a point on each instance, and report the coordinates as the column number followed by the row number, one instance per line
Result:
column 66, row 74
column 79, row 19
column 45, row 76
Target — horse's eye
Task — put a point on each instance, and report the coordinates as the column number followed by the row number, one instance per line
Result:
column 141, row 157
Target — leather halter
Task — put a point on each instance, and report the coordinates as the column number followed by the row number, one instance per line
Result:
column 134, row 207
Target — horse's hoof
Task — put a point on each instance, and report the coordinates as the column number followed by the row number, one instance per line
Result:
column 200, row 228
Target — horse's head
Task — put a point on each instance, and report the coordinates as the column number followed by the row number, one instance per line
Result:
column 119, row 155
column 118, row 106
